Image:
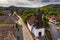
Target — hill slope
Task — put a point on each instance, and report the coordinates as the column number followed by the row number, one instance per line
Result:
column 52, row 9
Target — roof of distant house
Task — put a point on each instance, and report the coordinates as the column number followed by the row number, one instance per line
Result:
column 2, row 18
column 7, row 12
column 6, row 19
column 7, row 33
column 53, row 16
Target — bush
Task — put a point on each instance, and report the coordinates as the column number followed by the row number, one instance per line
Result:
column 17, row 27
column 48, row 34
column 45, row 22
column 18, row 38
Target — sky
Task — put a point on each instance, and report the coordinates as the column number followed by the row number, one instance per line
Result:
column 28, row 3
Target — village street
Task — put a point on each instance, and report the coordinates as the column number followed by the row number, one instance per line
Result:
column 24, row 33
column 54, row 32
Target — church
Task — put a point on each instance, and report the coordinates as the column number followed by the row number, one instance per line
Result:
column 35, row 24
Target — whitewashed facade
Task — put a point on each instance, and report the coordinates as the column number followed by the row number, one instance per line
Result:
column 36, row 31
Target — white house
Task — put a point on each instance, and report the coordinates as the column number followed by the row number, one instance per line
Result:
column 35, row 24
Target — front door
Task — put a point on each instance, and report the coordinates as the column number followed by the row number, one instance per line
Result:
column 39, row 33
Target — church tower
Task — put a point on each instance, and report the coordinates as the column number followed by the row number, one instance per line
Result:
column 35, row 24
column 38, row 19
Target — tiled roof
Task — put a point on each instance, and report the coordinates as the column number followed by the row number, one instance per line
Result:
column 7, row 33
column 2, row 18
column 31, row 20
column 6, row 19
column 7, row 12
column 15, row 17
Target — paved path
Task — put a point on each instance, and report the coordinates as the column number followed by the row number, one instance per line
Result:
column 54, row 31
column 26, row 34
column 20, row 33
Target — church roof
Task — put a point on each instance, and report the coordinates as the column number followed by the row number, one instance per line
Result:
column 31, row 20
column 36, row 20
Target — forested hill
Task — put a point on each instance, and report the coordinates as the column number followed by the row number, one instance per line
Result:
column 52, row 9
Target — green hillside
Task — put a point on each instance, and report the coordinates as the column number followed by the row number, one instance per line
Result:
column 52, row 9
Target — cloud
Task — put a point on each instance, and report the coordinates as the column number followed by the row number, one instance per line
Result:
column 28, row 3
column 25, row 3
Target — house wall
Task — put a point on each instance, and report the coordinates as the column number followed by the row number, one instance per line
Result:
column 29, row 26
column 36, row 31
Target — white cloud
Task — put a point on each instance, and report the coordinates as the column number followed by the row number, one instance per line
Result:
column 27, row 3
column 3, row 1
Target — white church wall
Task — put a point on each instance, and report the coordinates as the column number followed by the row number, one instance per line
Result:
column 36, row 32
column 29, row 26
